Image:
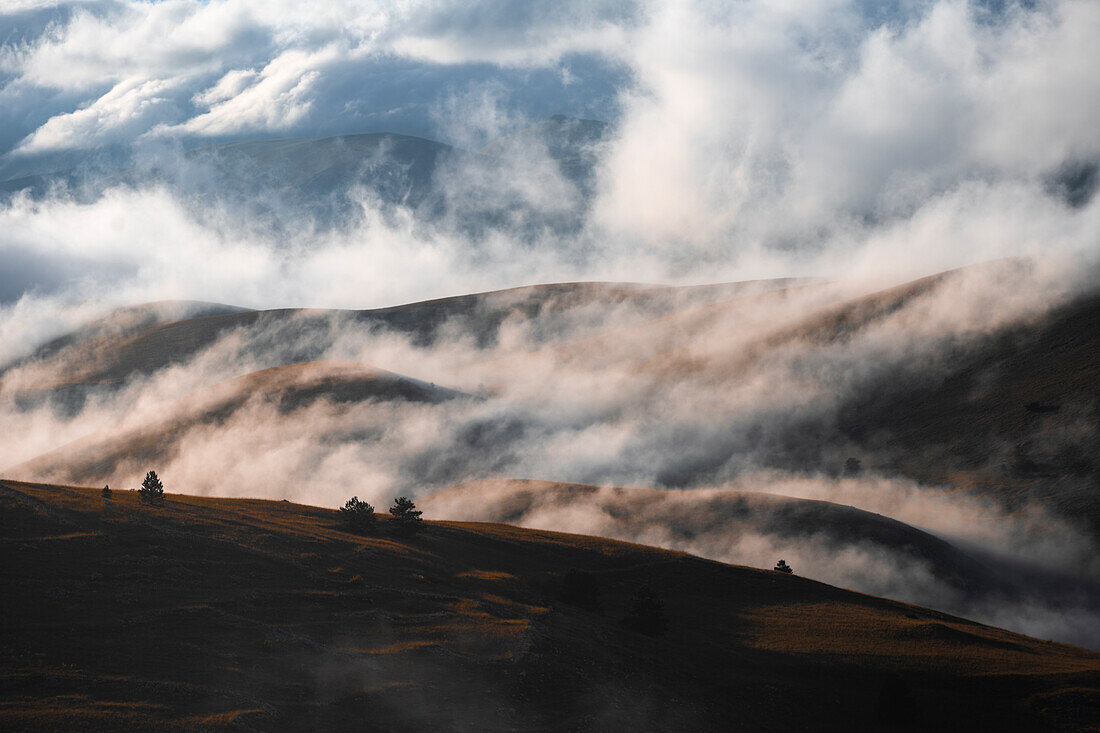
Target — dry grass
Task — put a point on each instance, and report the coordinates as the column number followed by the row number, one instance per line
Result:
column 213, row 613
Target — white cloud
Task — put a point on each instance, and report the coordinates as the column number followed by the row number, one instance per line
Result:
column 303, row 55
column 278, row 97
column 755, row 139
column 123, row 113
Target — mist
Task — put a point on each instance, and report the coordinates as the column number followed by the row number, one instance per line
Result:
column 830, row 154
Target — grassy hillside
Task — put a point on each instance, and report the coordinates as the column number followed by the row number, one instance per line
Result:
column 102, row 355
column 1015, row 417
column 1010, row 413
column 284, row 389
column 708, row 520
column 209, row 613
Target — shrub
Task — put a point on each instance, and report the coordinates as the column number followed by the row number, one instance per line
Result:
column 646, row 614
column 358, row 515
column 783, row 567
column 106, row 493
column 580, row 588
column 406, row 514
column 152, row 490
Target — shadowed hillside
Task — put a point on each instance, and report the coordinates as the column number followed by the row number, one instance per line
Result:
column 1015, row 417
column 102, row 356
column 1009, row 412
column 268, row 615
column 692, row 517
column 968, row 436
column 283, row 390
column 750, row 527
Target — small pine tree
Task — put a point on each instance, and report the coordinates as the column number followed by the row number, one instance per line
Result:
column 152, row 490
column 406, row 514
column 646, row 614
column 783, row 567
column 358, row 515
column 106, row 493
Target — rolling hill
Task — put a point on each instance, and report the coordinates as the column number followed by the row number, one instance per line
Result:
column 284, row 390
column 262, row 615
column 617, row 384
column 125, row 344
column 278, row 184
column 697, row 518
column 837, row 543
column 1008, row 412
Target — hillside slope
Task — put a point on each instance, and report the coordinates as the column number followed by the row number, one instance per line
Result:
column 1008, row 410
column 705, row 519
column 279, row 392
column 268, row 615
column 829, row 541
column 104, row 355
column 278, row 184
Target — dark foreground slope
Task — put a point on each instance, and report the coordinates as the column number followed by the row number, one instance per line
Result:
column 207, row 613
column 748, row 527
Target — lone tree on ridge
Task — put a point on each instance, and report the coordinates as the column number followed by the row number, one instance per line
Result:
column 152, row 490
column 783, row 567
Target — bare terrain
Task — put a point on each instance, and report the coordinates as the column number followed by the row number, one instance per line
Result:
column 215, row 613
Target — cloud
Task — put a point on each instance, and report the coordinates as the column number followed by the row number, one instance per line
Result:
column 331, row 69
column 127, row 110
column 769, row 125
column 743, row 132
column 859, row 142
column 278, row 97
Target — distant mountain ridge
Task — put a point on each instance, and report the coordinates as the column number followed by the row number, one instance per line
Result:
column 279, row 181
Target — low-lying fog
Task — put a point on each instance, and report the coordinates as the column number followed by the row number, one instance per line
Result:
column 852, row 150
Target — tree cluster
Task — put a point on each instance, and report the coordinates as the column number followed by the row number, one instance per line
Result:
column 359, row 516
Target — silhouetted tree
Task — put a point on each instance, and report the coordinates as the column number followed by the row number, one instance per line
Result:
column 580, row 588
column 783, row 567
column 152, row 490
column 646, row 614
column 406, row 514
column 358, row 515
column 106, row 493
